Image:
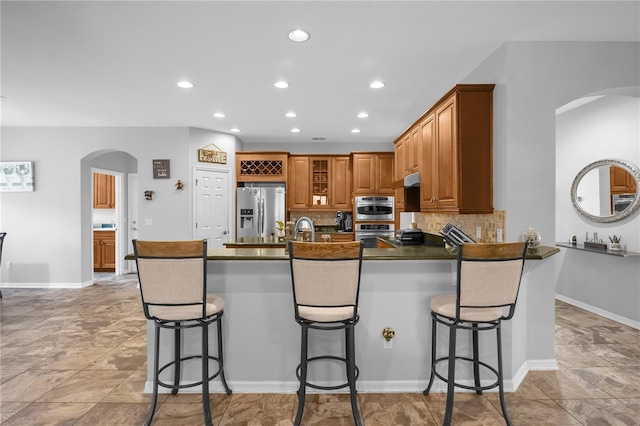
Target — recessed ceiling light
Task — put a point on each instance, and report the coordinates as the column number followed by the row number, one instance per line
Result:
column 235, row 130
column 185, row 84
column 363, row 115
column 376, row 85
column 298, row 35
column 290, row 114
column 219, row 115
column 355, row 131
column 281, row 84
column 295, row 130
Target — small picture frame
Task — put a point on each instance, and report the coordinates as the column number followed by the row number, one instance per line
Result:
column 161, row 169
column 16, row 176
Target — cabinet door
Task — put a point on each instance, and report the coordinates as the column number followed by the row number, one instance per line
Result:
column 97, row 252
column 622, row 182
column 384, row 183
column 428, row 142
column 400, row 163
column 364, row 173
column 103, row 191
column 341, row 183
column 108, row 254
column 446, row 178
column 320, row 181
column 298, row 183
column 413, row 155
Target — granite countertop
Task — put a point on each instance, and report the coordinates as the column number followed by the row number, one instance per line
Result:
column 395, row 253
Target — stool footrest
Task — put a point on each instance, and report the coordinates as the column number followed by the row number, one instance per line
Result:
column 188, row 385
column 459, row 385
column 321, row 387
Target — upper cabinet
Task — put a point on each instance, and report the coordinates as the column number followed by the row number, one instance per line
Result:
column 373, row 173
column 622, row 182
column 261, row 166
column 104, row 191
column 319, row 182
column 408, row 151
column 455, row 151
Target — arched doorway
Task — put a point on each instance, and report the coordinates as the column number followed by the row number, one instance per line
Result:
column 123, row 167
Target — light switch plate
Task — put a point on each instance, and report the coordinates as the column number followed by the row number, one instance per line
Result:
column 387, row 344
column 478, row 232
column 499, row 235
column 148, row 222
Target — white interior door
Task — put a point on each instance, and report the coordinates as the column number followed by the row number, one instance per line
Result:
column 212, row 206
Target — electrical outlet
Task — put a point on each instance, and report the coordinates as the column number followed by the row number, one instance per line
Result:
column 148, row 222
column 499, row 235
column 478, row 232
column 387, row 344
column 9, row 265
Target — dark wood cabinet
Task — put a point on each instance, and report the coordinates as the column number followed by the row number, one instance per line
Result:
column 319, row 183
column 261, row 166
column 104, row 251
column 104, row 191
column 341, row 186
column 298, row 183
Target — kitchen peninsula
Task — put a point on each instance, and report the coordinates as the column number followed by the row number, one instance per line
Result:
column 262, row 339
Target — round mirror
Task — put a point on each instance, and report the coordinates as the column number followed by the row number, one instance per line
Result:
column 606, row 191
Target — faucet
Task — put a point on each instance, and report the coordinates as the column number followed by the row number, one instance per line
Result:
column 302, row 224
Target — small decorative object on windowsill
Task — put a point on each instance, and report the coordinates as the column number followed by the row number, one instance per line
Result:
column 573, row 240
column 531, row 237
column 615, row 243
column 388, row 333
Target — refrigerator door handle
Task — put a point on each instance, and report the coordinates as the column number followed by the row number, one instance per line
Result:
column 261, row 216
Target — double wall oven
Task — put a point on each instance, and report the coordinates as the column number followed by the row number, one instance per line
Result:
column 373, row 218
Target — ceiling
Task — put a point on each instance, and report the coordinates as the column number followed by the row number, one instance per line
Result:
column 88, row 63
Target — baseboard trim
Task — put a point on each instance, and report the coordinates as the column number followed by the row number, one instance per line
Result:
column 598, row 311
column 47, row 285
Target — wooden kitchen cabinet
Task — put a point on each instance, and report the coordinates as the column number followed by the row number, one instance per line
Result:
column 456, row 137
column 104, row 191
column 298, row 196
column 319, row 183
column 622, row 182
column 373, row 173
column 104, row 251
column 341, row 186
column 259, row 166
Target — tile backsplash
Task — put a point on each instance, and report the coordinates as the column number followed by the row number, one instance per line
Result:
column 488, row 223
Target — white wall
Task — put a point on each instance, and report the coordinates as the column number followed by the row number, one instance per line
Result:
column 320, row 147
column 608, row 127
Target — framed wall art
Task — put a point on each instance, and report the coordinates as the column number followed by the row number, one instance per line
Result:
column 161, row 169
column 16, row 176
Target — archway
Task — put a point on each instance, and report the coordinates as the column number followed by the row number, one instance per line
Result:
column 122, row 165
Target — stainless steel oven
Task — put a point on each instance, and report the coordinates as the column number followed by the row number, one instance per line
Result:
column 368, row 233
column 622, row 201
column 375, row 208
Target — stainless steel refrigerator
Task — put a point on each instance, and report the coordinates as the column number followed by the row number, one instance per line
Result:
column 258, row 209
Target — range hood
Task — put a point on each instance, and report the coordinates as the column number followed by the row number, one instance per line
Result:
column 412, row 180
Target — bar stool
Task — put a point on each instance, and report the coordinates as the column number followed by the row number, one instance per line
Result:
column 488, row 282
column 326, row 286
column 173, row 286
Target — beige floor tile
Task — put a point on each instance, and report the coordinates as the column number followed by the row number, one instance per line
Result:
column 115, row 414
column 47, row 414
column 387, row 413
column 579, row 356
column 9, row 409
column 86, row 386
column 131, row 391
column 33, row 384
column 601, row 412
column 476, row 410
column 179, row 414
column 73, row 358
column 565, row 384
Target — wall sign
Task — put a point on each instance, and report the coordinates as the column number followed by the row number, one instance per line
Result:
column 161, row 169
column 16, row 176
column 212, row 155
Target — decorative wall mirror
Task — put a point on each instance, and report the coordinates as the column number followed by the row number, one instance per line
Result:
column 606, row 191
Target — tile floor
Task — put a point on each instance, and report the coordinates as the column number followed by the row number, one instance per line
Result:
column 77, row 357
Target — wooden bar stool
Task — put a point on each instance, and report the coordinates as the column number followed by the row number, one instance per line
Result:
column 488, row 282
column 326, row 286
column 173, row 286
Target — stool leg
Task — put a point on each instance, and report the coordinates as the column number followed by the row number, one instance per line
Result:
column 351, row 373
column 205, row 375
column 503, row 403
column 221, row 357
column 156, row 355
column 448, row 414
column 476, row 358
column 176, row 357
column 434, row 329
column 303, row 375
